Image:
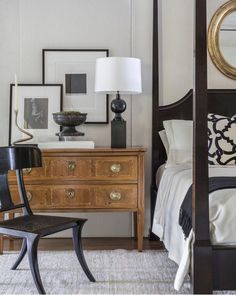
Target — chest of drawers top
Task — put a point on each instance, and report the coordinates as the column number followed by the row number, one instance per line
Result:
column 101, row 152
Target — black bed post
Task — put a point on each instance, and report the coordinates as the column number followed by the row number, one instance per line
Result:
column 202, row 250
column 155, row 104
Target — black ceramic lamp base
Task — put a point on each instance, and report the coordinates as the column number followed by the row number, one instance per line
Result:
column 118, row 134
column 118, row 124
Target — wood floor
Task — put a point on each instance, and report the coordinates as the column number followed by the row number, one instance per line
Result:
column 60, row 244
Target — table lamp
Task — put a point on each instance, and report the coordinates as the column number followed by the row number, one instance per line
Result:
column 120, row 75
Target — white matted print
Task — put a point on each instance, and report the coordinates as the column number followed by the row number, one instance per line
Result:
column 35, row 104
column 75, row 69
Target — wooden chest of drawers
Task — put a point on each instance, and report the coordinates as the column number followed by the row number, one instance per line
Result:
column 100, row 179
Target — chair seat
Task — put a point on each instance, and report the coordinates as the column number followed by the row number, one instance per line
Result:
column 40, row 224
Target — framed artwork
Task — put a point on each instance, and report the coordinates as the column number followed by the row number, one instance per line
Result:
column 75, row 69
column 35, row 104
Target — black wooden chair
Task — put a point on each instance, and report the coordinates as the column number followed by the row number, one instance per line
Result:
column 32, row 227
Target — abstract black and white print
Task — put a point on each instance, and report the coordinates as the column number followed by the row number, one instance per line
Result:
column 76, row 83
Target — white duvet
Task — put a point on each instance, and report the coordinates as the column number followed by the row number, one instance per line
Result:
column 172, row 189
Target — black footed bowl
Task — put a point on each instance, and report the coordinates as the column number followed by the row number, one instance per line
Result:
column 69, row 120
column 72, row 118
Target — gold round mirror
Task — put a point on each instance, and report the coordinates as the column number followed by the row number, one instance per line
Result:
column 222, row 39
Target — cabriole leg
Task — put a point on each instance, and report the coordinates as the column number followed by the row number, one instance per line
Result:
column 79, row 251
column 32, row 247
column 21, row 254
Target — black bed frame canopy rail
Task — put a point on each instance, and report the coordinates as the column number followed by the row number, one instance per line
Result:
column 213, row 267
column 201, row 258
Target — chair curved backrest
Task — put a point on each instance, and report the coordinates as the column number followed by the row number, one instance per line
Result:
column 16, row 158
column 19, row 157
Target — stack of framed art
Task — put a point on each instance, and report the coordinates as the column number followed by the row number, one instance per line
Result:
column 67, row 84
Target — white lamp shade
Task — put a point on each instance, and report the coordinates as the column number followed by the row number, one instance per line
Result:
column 121, row 74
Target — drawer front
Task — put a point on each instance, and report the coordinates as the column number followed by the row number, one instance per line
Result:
column 116, row 196
column 39, row 197
column 84, row 168
column 83, row 196
column 121, row 168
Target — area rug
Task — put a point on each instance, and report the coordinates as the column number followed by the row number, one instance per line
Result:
column 116, row 272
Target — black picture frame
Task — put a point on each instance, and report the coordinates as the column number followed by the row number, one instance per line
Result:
column 49, row 76
column 42, row 93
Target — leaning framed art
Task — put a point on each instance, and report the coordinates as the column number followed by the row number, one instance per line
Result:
column 34, row 105
column 75, row 69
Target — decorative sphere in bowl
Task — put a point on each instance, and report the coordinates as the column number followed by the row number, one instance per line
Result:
column 69, row 120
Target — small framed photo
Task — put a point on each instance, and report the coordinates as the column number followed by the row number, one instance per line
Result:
column 35, row 104
column 75, row 69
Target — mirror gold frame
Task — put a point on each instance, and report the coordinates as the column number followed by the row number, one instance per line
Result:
column 213, row 39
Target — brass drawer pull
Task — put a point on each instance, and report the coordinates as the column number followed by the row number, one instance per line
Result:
column 115, row 168
column 70, row 194
column 71, row 166
column 115, row 196
column 27, row 171
column 29, row 196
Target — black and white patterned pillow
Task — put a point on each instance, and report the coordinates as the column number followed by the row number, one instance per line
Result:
column 221, row 140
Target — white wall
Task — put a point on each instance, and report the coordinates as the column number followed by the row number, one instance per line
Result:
column 122, row 26
column 176, row 50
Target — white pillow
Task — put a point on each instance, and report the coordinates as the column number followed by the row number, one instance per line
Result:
column 180, row 137
column 164, row 140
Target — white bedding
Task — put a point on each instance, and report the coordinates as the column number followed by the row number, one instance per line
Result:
column 172, row 189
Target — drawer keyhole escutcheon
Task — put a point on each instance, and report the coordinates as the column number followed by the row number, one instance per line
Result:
column 70, row 194
column 115, row 168
column 115, row 196
column 27, row 171
column 29, row 196
column 71, row 166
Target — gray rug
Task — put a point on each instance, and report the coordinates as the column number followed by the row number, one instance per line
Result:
column 116, row 272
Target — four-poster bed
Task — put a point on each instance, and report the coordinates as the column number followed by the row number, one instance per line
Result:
column 213, row 267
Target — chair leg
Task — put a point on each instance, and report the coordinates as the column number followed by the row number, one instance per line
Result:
column 79, row 251
column 32, row 247
column 21, row 255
